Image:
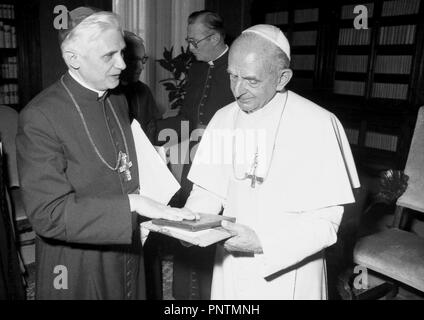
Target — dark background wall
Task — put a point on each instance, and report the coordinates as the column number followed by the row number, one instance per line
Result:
column 52, row 65
column 236, row 15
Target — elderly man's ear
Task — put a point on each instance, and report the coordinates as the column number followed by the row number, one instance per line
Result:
column 216, row 38
column 71, row 59
column 284, row 78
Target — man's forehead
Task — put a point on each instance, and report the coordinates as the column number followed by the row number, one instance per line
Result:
column 246, row 63
column 240, row 56
column 108, row 41
column 195, row 29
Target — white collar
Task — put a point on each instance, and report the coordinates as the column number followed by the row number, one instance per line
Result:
column 84, row 84
column 223, row 52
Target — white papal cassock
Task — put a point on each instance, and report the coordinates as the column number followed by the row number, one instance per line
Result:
column 308, row 170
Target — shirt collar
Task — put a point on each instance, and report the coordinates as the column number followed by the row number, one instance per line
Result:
column 223, row 52
column 84, row 84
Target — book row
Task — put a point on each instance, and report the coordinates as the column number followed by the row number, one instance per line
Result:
column 9, row 94
column 351, row 36
column 390, row 8
column 397, row 34
column 9, row 68
column 390, row 91
column 7, row 36
column 386, row 64
column 277, row 18
column 351, row 63
column 354, row 88
column 381, row 141
column 306, row 15
column 375, row 140
column 400, row 7
column 397, row 91
column 393, row 64
column 7, row 11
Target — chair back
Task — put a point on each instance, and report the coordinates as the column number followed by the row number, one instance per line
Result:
column 8, row 129
column 413, row 197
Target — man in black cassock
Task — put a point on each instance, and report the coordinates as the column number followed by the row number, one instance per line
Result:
column 78, row 171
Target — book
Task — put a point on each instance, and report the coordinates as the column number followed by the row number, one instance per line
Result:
column 206, row 221
column 202, row 238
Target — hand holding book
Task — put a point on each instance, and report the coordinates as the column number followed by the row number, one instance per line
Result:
column 201, row 232
column 202, row 221
column 244, row 241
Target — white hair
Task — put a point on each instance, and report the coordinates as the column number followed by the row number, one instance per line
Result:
column 90, row 28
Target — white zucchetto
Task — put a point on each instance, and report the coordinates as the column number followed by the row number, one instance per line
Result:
column 273, row 34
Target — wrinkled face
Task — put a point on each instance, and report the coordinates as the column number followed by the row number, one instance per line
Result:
column 199, row 34
column 101, row 62
column 252, row 82
column 135, row 61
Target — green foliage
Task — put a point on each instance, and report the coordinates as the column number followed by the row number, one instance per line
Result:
column 178, row 66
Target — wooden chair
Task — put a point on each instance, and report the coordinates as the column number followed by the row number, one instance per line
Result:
column 11, row 280
column 395, row 253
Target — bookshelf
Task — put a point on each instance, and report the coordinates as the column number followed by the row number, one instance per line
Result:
column 9, row 86
column 370, row 78
column 20, row 57
column 301, row 26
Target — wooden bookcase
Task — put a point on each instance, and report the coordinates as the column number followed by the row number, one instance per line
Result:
column 301, row 26
column 369, row 78
column 20, row 77
column 9, row 87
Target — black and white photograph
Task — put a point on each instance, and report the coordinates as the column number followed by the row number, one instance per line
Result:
column 211, row 156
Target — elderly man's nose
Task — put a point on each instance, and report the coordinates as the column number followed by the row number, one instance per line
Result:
column 239, row 88
column 120, row 63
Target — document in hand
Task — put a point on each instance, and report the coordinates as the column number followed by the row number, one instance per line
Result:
column 202, row 238
column 156, row 181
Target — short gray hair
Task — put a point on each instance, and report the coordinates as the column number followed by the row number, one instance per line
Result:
column 131, row 39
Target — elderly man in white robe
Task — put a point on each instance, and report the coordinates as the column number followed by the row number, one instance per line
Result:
column 282, row 166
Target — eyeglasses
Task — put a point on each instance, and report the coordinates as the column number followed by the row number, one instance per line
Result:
column 144, row 59
column 195, row 43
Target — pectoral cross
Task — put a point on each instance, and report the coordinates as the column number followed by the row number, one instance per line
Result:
column 253, row 178
column 125, row 166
